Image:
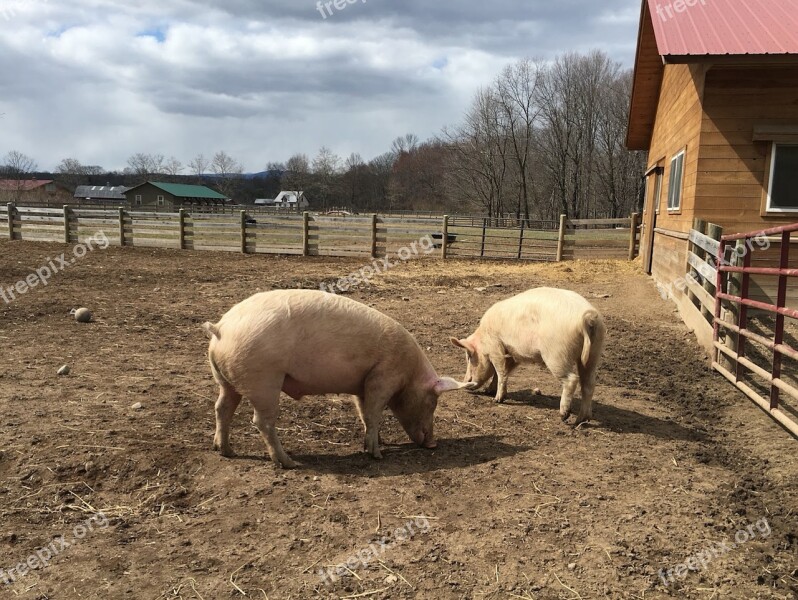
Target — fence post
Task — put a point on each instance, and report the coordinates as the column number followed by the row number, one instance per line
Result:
column 305, row 233
column 521, row 240
column 11, row 209
column 713, row 231
column 633, row 237
column 561, row 237
column 181, row 219
column 700, row 226
column 243, row 216
column 66, row 223
column 482, row 246
column 445, row 236
column 121, row 226
column 374, row 236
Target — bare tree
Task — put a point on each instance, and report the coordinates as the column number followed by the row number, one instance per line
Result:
column 173, row 166
column 354, row 167
column 145, row 165
column 296, row 176
column 405, row 143
column 326, row 167
column 199, row 166
column 480, row 153
column 228, row 172
column 17, row 167
column 517, row 95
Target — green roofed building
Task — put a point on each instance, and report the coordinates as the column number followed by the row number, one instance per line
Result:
column 172, row 196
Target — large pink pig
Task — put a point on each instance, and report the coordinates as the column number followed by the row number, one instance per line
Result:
column 308, row 342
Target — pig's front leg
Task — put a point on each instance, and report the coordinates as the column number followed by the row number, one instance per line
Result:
column 502, row 371
column 371, row 410
column 493, row 387
column 359, row 406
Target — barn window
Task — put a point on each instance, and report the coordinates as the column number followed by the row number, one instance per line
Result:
column 161, row 201
column 675, row 183
column 783, row 184
column 138, row 199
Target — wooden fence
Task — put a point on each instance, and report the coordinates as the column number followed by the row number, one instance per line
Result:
column 327, row 235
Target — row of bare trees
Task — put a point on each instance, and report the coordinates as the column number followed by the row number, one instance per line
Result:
column 548, row 138
column 543, row 139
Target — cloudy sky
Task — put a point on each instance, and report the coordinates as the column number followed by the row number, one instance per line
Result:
column 100, row 80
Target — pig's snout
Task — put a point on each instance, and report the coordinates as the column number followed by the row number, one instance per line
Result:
column 425, row 439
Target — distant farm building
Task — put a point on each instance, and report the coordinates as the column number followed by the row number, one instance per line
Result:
column 288, row 199
column 715, row 104
column 172, row 196
column 109, row 194
column 34, row 192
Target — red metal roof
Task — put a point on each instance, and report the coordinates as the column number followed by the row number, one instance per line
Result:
column 719, row 27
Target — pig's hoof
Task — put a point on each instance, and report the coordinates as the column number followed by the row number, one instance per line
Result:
column 287, row 463
column 499, row 400
column 224, row 449
column 377, row 455
column 564, row 414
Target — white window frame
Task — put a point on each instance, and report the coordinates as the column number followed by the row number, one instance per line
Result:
column 768, row 206
column 160, row 200
column 677, row 205
column 138, row 200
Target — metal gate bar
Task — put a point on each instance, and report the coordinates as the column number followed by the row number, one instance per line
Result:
column 776, row 345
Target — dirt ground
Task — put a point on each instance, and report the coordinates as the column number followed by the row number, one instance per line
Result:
column 512, row 504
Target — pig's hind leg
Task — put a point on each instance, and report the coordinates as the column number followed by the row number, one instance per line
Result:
column 267, row 409
column 226, row 405
column 569, row 384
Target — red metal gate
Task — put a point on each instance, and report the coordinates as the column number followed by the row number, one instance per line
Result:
column 737, row 354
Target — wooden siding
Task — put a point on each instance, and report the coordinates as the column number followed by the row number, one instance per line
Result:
column 677, row 128
column 731, row 165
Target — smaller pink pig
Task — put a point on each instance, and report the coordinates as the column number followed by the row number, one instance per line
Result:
column 549, row 326
column 308, row 342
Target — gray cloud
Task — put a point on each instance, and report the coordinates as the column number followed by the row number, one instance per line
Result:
column 100, row 79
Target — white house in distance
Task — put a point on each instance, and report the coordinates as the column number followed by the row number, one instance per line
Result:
column 290, row 200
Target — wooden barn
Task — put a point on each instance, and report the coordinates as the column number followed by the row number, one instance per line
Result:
column 171, row 196
column 715, row 104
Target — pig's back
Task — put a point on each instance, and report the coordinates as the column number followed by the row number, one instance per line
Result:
column 290, row 320
column 536, row 317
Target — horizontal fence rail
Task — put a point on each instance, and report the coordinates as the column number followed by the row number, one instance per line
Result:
column 290, row 232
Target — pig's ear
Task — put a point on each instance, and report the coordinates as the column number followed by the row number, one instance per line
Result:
column 465, row 344
column 447, row 384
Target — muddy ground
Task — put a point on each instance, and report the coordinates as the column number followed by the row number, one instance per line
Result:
column 512, row 504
